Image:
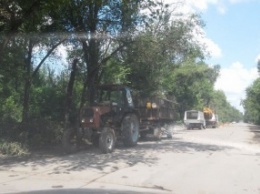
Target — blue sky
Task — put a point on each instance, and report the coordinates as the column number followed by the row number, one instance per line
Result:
column 236, row 31
column 234, row 26
column 232, row 34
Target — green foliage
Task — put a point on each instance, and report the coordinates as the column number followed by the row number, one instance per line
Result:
column 44, row 133
column 222, row 107
column 11, row 109
column 12, row 148
column 158, row 51
column 145, row 64
column 192, row 85
column 114, row 43
column 10, row 82
column 252, row 104
column 115, row 72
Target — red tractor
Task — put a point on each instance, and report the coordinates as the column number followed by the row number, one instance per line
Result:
column 114, row 117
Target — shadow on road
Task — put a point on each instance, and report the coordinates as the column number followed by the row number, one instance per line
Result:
column 256, row 130
column 83, row 191
column 145, row 152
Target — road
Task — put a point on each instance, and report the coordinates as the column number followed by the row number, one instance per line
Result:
column 224, row 160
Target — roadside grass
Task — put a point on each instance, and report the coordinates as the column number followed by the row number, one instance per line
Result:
column 37, row 134
column 12, row 148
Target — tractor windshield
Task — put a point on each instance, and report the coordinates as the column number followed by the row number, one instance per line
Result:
column 110, row 96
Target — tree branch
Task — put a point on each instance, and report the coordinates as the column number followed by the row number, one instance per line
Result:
column 112, row 54
column 46, row 56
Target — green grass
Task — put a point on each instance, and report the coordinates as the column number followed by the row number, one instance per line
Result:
column 12, row 148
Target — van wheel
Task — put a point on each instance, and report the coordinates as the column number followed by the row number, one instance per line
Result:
column 107, row 140
column 130, row 130
column 201, row 126
column 169, row 132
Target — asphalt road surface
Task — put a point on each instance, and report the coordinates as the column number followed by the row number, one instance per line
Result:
column 224, row 160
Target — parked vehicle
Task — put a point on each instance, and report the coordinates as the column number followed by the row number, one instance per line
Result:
column 116, row 115
column 213, row 121
column 210, row 117
column 156, row 115
column 194, row 119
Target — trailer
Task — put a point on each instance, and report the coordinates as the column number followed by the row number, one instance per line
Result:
column 156, row 115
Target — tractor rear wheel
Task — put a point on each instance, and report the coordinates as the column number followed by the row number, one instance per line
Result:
column 130, row 130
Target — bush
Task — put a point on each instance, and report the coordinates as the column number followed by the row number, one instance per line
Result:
column 43, row 133
column 11, row 110
column 20, row 138
column 12, row 148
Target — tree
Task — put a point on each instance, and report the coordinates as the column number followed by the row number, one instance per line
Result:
column 192, row 84
column 95, row 24
column 23, row 23
column 158, row 51
column 12, row 78
column 31, row 72
column 251, row 103
column 222, row 107
column 165, row 60
column 14, row 15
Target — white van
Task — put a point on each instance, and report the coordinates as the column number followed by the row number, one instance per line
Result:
column 194, row 119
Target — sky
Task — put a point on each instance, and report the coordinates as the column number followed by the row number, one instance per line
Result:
column 232, row 35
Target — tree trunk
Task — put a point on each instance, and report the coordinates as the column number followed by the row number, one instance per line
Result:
column 68, row 127
column 26, row 99
column 91, row 55
column 69, row 95
column 27, row 85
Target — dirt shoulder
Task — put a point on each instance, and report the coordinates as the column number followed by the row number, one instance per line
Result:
column 256, row 130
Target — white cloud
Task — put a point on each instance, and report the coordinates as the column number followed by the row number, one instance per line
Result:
column 221, row 5
column 212, row 48
column 202, row 4
column 234, row 80
column 209, row 46
column 239, row 1
column 188, row 6
column 222, row 8
column 257, row 58
column 62, row 52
